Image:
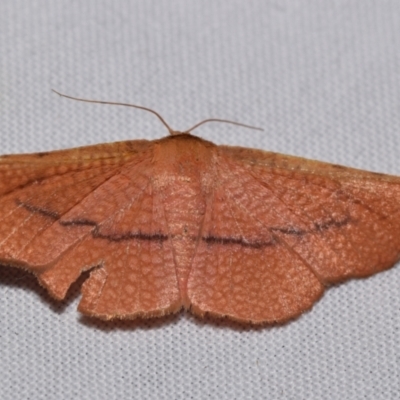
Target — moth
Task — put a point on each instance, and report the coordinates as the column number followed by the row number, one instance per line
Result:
column 180, row 222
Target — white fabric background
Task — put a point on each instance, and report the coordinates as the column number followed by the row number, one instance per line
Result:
column 322, row 78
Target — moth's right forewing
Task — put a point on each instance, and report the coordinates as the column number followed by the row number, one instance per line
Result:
column 353, row 215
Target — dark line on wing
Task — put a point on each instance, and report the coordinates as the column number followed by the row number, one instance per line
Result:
column 332, row 223
column 120, row 237
column 115, row 237
column 258, row 244
column 78, row 222
column 38, row 210
column 237, row 241
column 160, row 237
column 42, row 154
column 318, row 227
column 289, row 231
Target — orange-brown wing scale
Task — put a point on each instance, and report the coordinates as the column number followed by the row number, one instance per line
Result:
column 242, row 269
column 89, row 213
column 247, row 234
column 280, row 228
column 352, row 217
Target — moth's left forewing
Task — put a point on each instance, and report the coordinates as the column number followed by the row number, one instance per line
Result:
column 36, row 190
column 91, row 208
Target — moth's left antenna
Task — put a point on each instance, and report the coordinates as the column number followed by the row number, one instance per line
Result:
column 170, row 130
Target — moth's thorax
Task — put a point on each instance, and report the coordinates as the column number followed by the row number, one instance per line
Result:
column 182, row 168
column 181, row 157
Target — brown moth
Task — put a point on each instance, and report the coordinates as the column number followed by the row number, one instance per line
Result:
column 180, row 222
